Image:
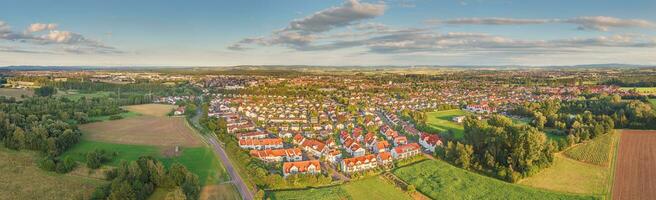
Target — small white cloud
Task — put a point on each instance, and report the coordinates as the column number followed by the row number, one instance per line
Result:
column 37, row 27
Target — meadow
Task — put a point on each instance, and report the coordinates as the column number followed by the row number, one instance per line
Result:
column 368, row 188
column 143, row 130
column 568, row 175
column 653, row 102
column 210, row 192
column 16, row 93
column 124, row 115
column 157, row 110
column 22, row 179
column 440, row 180
column 441, row 120
column 596, row 151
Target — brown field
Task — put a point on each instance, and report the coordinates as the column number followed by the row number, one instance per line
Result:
column 635, row 172
column 143, row 130
column 220, row 192
column 20, row 178
column 151, row 109
column 10, row 92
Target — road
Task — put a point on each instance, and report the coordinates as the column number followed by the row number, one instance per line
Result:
column 235, row 178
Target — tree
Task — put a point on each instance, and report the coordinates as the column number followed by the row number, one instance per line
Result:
column 45, row 91
column 411, row 189
column 176, row 194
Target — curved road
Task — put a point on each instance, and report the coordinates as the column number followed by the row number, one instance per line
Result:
column 235, row 178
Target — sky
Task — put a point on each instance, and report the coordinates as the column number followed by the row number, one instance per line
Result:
column 326, row 32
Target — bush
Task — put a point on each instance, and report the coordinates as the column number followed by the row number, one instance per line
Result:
column 97, row 157
column 115, row 117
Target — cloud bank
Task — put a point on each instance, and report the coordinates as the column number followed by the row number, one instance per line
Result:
column 598, row 23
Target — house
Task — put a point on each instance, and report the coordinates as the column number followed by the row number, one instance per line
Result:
column 385, row 159
column 314, row 147
column 179, row 111
column 267, row 143
column 381, row 146
column 334, row 156
column 400, row 140
column 301, row 167
column 458, row 119
column 429, row 141
column 252, row 135
column 360, row 163
column 278, row 155
column 298, row 139
column 406, row 151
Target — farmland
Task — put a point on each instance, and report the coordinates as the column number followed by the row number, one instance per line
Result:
column 142, row 130
column 441, row 120
column 369, row 188
column 157, row 110
column 596, row 151
column 642, row 90
column 16, row 93
column 635, row 171
column 19, row 173
column 440, row 180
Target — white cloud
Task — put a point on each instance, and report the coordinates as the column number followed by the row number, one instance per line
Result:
column 599, row 23
column 334, row 17
column 36, row 27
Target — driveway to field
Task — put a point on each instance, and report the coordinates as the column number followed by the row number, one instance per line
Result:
column 245, row 193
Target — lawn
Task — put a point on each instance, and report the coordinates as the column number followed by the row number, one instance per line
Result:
column 20, row 178
column 440, row 180
column 568, row 175
column 441, row 120
column 199, row 160
column 596, row 151
column 16, row 93
column 369, row 188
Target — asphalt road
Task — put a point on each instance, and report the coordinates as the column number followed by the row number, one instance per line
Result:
column 245, row 193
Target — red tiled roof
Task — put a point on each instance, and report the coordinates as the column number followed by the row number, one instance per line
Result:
column 406, row 148
column 261, row 142
column 275, row 152
column 301, row 165
column 361, row 159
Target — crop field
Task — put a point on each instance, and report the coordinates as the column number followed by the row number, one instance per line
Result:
column 22, row 179
column 143, row 130
column 641, row 90
column 597, row 151
column 440, row 180
column 158, row 110
column 16, row 93
column 636, row 165
column 368, row 188
column 568, row 175
column 441, row 120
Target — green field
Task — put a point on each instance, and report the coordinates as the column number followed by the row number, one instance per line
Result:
column 202, row 162
column 369, row 188
column 22, row 179
column 199, row 160
column 74, row 95
column 441, row 120
column 440, row 180
column 641, row 90
column 596, row 151
column 653, row 102
column 568, row 175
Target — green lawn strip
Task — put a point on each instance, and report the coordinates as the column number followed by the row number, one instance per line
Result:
column 613, row 163
column 440, row 180
column 202, row 162
column 442, row 120
column 368, row 188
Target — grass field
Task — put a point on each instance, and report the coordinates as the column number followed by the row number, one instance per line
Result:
column 568, row 175
column 369, row 188
column 641, row 90
column 143, row 130
column 440, row 180
column 158, row 110
column 125, row 151
column 441, row 120
column 653, row 102
column 16, row 93
column 220, row 192
column 20, row 178
column 596, row 151
column 202, row 162
column 74, row 95
column 106, row 118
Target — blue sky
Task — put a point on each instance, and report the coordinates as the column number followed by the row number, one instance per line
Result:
column 349, row 32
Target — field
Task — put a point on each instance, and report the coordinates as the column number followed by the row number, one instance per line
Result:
column 202, row 162
column 73, row 94
column 653, row 102
column 158, row 110
column 106, row 118
column 636, row 165
column 16, row 93
column 124, row 151
column 22, row 179
column 143, row 130
column 597, row 151
column 568, row 175
column 220, row 192
column 641, row 90
column 369, row 188
column 440, row 180
column 441, row 120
